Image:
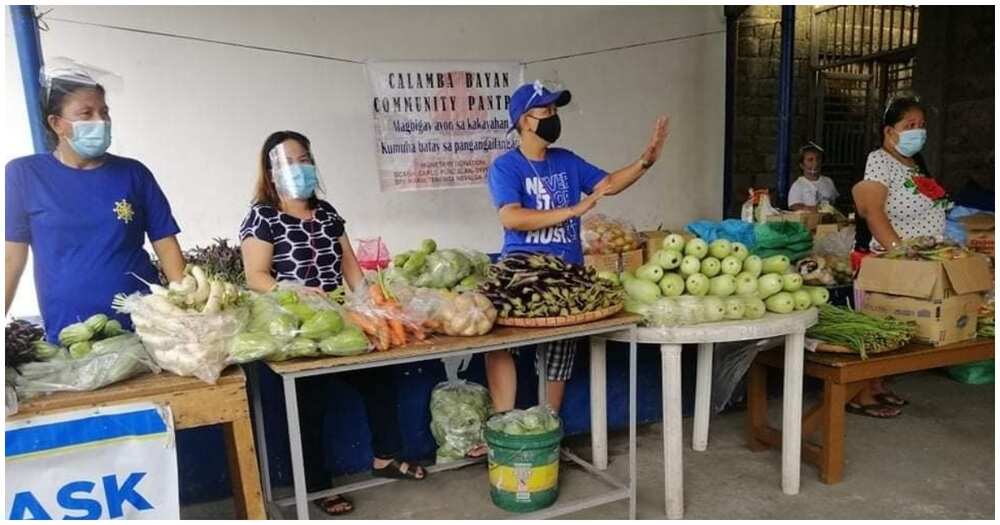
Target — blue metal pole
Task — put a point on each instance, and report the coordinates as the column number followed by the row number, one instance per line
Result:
column 785, row 99
column 29, row 57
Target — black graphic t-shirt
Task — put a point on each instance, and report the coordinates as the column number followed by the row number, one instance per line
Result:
column 304, row 251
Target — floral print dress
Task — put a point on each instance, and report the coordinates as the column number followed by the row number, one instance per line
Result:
column 916, row 205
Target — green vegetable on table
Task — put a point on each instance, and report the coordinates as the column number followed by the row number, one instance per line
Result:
column 860, row 332
column 75, row 333
column 350, row 341
column 323, row 324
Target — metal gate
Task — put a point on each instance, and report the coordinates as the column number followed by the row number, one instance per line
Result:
column 861, row 56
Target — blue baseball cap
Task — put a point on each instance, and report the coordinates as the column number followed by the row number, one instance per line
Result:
column 534, row 95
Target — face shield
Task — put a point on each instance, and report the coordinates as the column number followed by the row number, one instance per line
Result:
column 295, row 177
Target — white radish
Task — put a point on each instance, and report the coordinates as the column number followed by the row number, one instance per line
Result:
column 203, row 287
column 162, row 305
column 184, row 286
column 214, row 303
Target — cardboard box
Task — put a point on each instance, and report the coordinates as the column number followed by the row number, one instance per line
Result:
column 939, row 322
column 979, row 233
column 654, row 241
column 615, row 262
column 809, row 219
column 822, row 230
column 942, row 298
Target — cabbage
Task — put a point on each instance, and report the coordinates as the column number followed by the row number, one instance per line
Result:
column 322, row 325
column 96, row 323
column 444, row 269
column 301, row 347
column 351, row 341
column 251, row 346
column 75, row 333
column 535, row 420
column 458, row 411
column 302, row 311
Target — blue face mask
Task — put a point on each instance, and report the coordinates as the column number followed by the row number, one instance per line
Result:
column 91, row 138
column 911, row 142
column 297, row 181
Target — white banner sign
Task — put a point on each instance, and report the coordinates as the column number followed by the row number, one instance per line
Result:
column 106, row 463
column 440, row 124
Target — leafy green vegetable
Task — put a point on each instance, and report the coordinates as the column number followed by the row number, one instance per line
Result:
column 301, row 347
column 302, row 311
column 251, row 346
column 285, row 297
column 323, row 324
column 458, row 411
column 351, row 341
column 535, row 420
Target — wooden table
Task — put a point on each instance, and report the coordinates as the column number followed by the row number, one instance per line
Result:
column 437, row 347
column 843, row 375
column 791, row 327
column 193, row 403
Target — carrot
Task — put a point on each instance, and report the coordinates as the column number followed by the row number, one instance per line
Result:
column 397, row 332
column 384, row 337
column 363, row 321
column 378, row 298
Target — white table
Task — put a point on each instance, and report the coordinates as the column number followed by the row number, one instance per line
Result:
column 790, row 326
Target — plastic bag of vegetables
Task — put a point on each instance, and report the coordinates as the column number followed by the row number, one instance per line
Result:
column 188, row 339
column 109, row 361
column 293, row 322
column 535, row 420
column 459, row 410
column 456, row 314
column 604, row 235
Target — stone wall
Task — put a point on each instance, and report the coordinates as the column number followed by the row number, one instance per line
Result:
column 755, row 137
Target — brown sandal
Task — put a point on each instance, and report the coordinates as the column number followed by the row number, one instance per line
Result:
column 873, row 410
column 394, row 470
column 329, row 504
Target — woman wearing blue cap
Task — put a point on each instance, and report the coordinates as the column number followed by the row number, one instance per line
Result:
column 539, row 192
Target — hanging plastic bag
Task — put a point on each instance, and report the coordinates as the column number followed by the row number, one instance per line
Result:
column 978, row 373
column 110, row 361
column 459, row 410
column 372, row 254
column 731, row 363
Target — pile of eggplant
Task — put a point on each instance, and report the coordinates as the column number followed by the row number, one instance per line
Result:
column 524, row 285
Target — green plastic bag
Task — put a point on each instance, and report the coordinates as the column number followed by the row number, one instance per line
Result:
column 775, row 235
column 978, row 373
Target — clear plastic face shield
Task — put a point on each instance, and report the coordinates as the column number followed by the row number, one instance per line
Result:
column 72, row 89
column 293, row 171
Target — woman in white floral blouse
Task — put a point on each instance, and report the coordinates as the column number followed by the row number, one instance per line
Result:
column 898, row 200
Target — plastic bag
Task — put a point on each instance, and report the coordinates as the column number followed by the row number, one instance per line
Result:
column 292, row 322
column 978, row 373
column 459, row 410
column 603, row 235
column 188, row 343
column 444, row 269
column 839, row 244
column 10, row 397
column 387, row 315
column 455, row 314
column 729, row 229
column 110, row 361
column 372, row 254
column 535, row 420
column 731, row 363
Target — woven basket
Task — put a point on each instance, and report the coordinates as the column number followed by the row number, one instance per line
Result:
column 552, row 322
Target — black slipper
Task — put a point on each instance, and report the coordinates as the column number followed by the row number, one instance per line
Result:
column 394, row 470
column 327, row 505
column 872, row 410
column 888, row 398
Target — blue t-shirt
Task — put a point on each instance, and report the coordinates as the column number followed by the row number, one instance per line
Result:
column 86, row 229
column 556, row 182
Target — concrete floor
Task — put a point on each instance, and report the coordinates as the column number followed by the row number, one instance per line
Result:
column 936, row 461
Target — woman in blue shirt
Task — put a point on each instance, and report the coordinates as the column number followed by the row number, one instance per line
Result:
column 84, row 213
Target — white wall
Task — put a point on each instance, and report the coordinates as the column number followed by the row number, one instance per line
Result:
column 196, row 113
